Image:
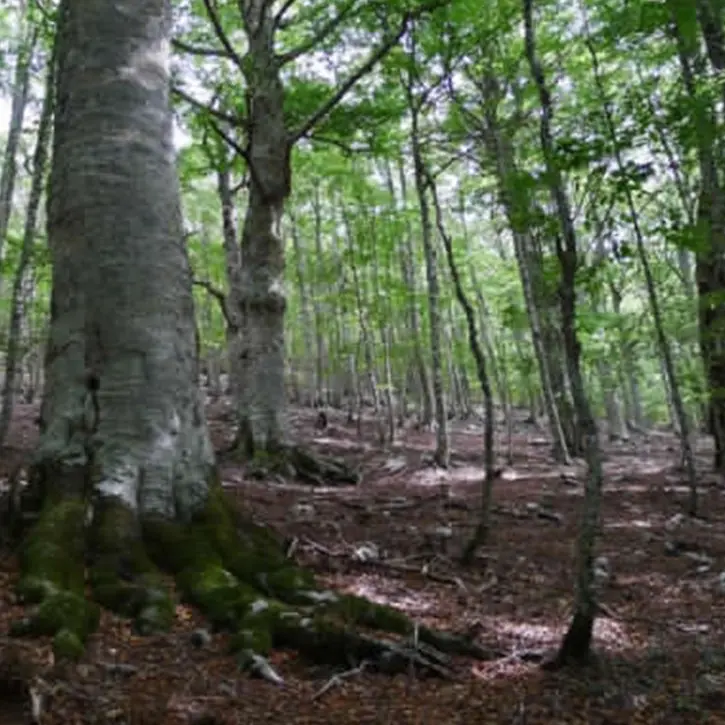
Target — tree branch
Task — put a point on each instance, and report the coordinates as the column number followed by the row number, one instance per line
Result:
column 279, row 17
column 241, row 151
column 235, row 146
column 197, row 50
column 373, row 59
column 215, row 292
column 221, row 35
column 327, row 29
column 235, row 121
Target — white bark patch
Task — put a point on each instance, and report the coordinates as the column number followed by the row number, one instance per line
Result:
column 149, row 66
column 277, row 288
column 121, row 481
column 163, row 449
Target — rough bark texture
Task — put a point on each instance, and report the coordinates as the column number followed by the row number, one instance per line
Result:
column 262, row 298
column 123, row 435
column 121, row 362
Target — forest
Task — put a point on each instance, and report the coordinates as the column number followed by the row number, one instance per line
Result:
column 362, row 361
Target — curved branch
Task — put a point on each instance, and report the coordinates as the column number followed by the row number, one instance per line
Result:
column 279, row 17
column 232, row 120
column 373, row 59
column 220, row 297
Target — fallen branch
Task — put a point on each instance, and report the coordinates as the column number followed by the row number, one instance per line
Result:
column 339, row 678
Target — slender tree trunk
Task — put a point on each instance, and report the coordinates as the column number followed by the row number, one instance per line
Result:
column 18, row 103
column 481, row 535
column 40, row 158
column 312, row 388
column 442, row 452
column 517, row 212
column 320, row 348
column 407, row 260
column 233, row 266
column 576, row 645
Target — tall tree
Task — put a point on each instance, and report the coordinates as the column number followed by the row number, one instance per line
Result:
column 269, row 136
column 577, row 641
column 124, row 471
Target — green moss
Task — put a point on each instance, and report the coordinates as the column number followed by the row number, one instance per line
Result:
column 217, row 592
column 257, row 640
column 52, row 556
column 33, row 589
column 64, row 610
column 290, row 583
column 358, row 611
column 67, row 645
column 122, row 576
column 175, row 547
column 263, row 626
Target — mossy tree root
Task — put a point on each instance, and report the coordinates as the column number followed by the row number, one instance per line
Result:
column 234, row 571
column 291, row 461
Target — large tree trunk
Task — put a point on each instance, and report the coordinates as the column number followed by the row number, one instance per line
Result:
column 123, row 434
column 124, row 468
column 121, row 364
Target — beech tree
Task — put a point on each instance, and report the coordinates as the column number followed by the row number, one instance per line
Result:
column 263, row 135
column 123, row 481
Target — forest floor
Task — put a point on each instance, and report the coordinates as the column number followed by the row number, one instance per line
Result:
column 395, row 538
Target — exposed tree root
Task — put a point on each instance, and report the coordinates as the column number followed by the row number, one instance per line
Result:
column 234, row 571
column 294, row 462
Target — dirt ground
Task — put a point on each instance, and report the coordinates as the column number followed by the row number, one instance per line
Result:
column 660, row 644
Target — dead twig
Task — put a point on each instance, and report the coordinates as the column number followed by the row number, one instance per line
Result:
column 339, row 678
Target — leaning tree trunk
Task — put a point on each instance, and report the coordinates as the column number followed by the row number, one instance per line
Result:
column 124, row 468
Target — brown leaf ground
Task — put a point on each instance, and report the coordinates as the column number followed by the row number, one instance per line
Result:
column 661, row 647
